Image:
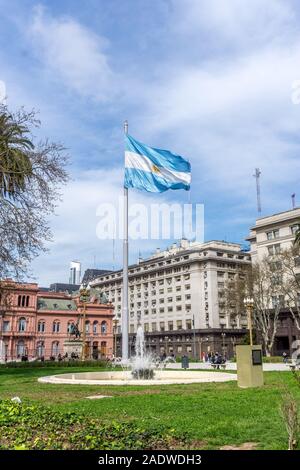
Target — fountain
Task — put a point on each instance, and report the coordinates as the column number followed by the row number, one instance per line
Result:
column 142, row 364
column 140, row 370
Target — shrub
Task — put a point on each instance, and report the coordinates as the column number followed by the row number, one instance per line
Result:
column 45, row 364
column 26, row 426
column 289, row 411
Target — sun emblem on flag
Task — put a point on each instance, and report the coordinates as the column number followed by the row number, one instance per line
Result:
column 155, row 169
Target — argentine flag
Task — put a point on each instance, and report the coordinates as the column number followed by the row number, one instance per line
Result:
column 154, row 170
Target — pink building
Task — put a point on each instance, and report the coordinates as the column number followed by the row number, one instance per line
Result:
column 35, row 324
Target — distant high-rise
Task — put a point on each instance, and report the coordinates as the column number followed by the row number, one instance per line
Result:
column 75, row 272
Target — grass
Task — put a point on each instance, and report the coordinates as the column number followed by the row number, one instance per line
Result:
column 211, row 414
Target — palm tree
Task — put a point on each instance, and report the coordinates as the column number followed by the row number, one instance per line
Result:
column 15, row 147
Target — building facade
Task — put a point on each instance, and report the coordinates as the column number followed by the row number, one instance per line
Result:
column 179, row 292
column 35, row 323
column 269, row 236
column 75, row 272
column 273, row 233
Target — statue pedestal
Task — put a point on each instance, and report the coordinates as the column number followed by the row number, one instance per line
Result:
column 73, row 347
column 249, row 366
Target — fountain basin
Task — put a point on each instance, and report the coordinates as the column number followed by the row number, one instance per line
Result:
column 163, row 377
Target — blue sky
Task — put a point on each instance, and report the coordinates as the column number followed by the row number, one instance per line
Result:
column 209, row 79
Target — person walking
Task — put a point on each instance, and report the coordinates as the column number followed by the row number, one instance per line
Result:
column 284, row 357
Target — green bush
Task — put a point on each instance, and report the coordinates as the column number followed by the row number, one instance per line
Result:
column 270, row 359
column 26, row 426
column 45, row 364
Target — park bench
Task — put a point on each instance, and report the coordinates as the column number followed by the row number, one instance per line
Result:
column 215, row 366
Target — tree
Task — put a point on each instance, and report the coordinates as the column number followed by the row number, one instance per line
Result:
column 15, row 164
column 290, row 272
column 31, row 174
column 265, row 288
column 259, row 281
column 297, row 237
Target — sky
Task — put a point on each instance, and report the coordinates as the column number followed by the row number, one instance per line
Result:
column 212, row 80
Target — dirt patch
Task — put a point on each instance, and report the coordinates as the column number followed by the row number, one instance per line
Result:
column 244, row 446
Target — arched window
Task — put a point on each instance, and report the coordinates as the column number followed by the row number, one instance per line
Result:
column 41, row 326
column 21, row 350
column 70, row 323
column 95, row 327
column 40, row 349
column 103, row 328
column 55, row 349
column 87, row 326
column 22, row 324
column 56, row 326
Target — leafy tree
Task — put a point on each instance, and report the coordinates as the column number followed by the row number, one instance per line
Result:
column 261, row 282
column 289, row 266
column 31, row 174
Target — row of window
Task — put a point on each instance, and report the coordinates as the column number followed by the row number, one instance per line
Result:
column 176, row 260
column 154, row 311
column 22, row 326
column 23, row 300
column 273, row 234
column 171, row 326
column 22, row 350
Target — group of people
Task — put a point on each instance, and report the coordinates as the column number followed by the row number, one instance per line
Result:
column 214, row 358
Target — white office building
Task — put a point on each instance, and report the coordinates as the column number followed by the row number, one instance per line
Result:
column 273, row 233
column 75, row 272
column 180, row 288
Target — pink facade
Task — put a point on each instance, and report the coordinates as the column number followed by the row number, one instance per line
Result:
column 35, row 324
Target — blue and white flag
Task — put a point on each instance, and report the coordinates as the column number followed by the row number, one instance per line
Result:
column 154, row 170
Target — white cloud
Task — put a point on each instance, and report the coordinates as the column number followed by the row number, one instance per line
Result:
column 236, row 22
column 74, row 226
column 233, row 114
column 73, row 54
column 218, row 91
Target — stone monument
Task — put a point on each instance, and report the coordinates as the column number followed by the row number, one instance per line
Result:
column 249, row 366
column 73, row 346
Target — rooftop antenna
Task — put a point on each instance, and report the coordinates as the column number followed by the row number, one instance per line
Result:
column 257, row 177
column 293, row 200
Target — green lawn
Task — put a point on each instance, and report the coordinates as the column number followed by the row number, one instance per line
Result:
column 205, row 416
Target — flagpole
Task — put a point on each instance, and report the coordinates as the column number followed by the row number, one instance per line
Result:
column 125, row 272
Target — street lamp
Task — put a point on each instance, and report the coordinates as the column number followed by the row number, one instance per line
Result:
column 194, row 334
column 84, row 296
column 249, row 303
column 223, row 334
column 115, row 322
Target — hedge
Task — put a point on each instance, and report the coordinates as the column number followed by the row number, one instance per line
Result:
column 37, row 427
column 56, row 364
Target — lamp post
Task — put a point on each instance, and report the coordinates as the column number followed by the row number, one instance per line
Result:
column 84, row 296
column 115, row 322
column 194, row 334
column 201, row 340
column 223, row 334
column 233, row 342
column 249, row 303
